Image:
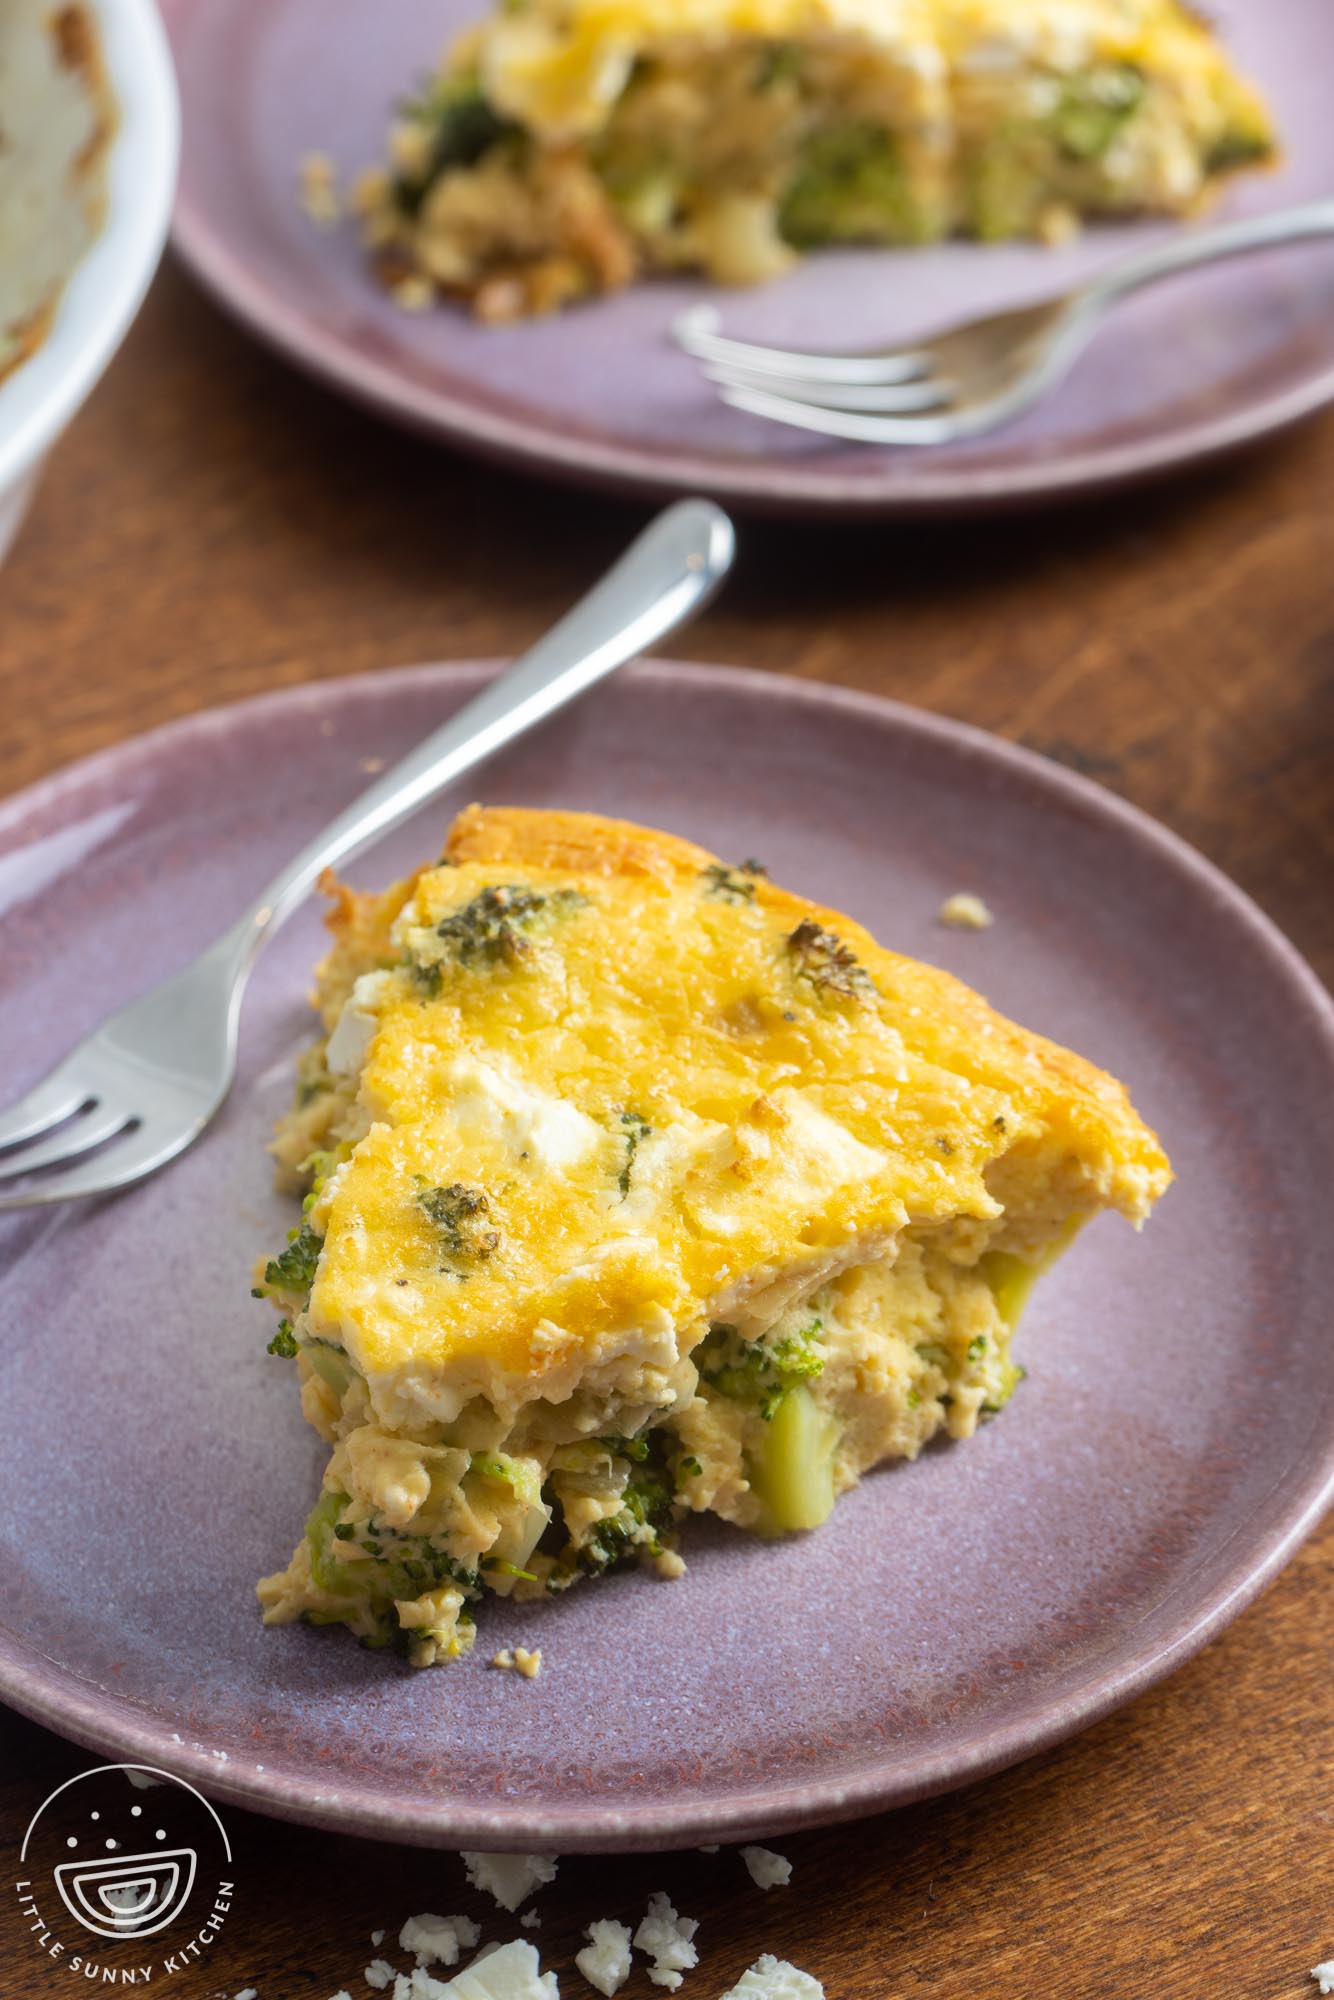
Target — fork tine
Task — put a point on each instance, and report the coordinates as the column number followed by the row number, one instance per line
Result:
column 932, row 393
column 139, row 1152
column 71, row 1142
column 53, row 1100
column 860, row 426
column 694, row 331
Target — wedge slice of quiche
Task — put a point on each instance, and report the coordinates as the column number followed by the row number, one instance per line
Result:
column 639, row 1187
column 567, row 146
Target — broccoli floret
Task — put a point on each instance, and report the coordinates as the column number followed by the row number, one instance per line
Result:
column 646, row 1509
column 760, row 1371
column 1094, row 107
column 284, row 1341
column 635, row 1449
column 830, row 966
column 733, row 885
column 460, row 1215
column 293, row 1271
column 493, row 929
column 464, row 127
column 637, row 1129
column 850, row 186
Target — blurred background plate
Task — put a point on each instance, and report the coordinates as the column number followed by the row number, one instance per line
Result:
column 1172, row 1443
column 1199, row 366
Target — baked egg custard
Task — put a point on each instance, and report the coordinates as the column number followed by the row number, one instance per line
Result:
column 636, row 1187
column 567, row 147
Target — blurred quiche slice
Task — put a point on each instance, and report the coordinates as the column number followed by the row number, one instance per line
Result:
column 637, row 1186
column 568, row 146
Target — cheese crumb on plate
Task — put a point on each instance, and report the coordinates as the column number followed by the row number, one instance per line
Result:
column 965, row 912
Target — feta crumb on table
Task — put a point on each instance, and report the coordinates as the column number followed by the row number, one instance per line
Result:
column 766, row 1869
column 666, row 1939
column 774, row 1979
column 504, row 1972
column 378, row 1973
column 377, row 1938
column 605, row 1959
column 1323, row 1975
column 248, row 1993
column 531, row 1921
column 965, row 912
column 438, row 1940
column 510, row 1878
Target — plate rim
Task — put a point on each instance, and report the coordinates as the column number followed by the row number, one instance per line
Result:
column 50, row 1693
column 759, row 485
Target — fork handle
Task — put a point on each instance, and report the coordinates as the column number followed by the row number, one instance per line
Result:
column 1208, row 246
column 667, row 573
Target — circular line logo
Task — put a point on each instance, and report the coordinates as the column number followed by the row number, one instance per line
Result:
column 138, row 1860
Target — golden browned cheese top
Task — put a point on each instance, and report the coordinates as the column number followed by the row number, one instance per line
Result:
column 617, row 1087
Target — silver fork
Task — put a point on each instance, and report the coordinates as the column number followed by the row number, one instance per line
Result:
column 971, row 378
column 144, row 1084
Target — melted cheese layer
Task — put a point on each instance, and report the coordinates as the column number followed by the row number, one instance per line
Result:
column 660, row 1110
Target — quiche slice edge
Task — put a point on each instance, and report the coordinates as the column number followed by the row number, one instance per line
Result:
column 566, row 148
column 638, row 1186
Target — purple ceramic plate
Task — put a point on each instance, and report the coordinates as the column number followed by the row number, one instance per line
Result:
column 1172, row 1444
column 1197, row 366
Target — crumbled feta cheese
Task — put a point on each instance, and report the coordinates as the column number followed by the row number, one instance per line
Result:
column 665, row 1938
column 247, row 1993
column 438, row 1940
column 377, row 1938
column 531, row 1921
column 419, row 1985
column 504, row 1972
column 605, row 1959
column 378, row 1973
column 1323, row 1975
column 710, row 1850
column 774, row 1979
column 965, row 912
column 510, row 1878
column 141, row 1780
column 766, row 1869
column 341, row 1994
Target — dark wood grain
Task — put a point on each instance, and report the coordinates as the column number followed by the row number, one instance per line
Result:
column 214, row 526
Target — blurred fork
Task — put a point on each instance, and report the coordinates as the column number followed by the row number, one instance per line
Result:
column 144, row 1084
column 969, row 378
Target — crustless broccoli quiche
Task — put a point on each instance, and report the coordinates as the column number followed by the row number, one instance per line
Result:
column 638, row 1187
column 568, row 146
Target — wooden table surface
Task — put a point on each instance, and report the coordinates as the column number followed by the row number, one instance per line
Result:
column 214, row 526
